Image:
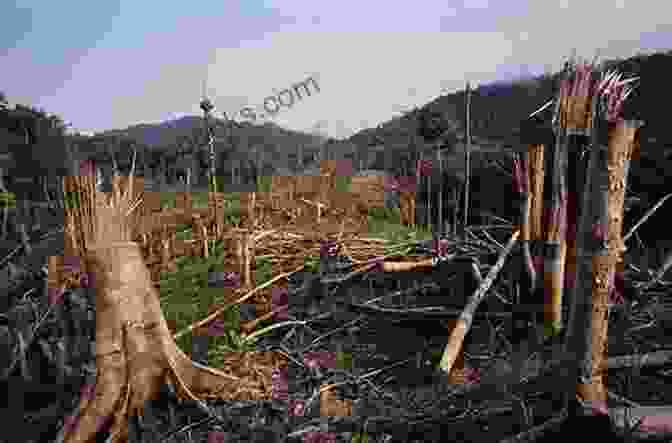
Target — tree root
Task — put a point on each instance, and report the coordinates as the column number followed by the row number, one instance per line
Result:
column 135, row 356
column 127, row 379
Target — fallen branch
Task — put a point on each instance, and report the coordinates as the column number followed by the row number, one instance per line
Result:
column 534, row 433
column 653, row 420
column 646, row 216
column 407, row 266
column 658, row 275
column 219, row 311
column 467, row 316
column 426, row 313
column 659, row 358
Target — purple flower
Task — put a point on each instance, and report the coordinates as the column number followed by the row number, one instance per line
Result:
column 616, row 289
column 88, row 390
column 472, row 375
column 55, row 295
column 344, row 167
column 599, row 232
column 392, row 184
column 70, row 423
column 280, row 299
column 297, row 407
column 407, row 183
column 441, row 247
column 319, row 437
column 72, row 263
column 217, row 328
column 320, row 360
column 231, row 279
column 424, row 167
column 329, row 248
column 280, row 386
column 378, row 264
column 656, row 423
column 87, row 168
column 280, row 389
column 84, row 280
column 519, row 176
column 216, row 437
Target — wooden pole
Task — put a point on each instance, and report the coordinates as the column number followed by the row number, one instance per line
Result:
column 467, row 153
column 440, row 203
column 428, row 221
column 554, row 258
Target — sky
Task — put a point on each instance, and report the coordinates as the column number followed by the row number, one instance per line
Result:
column 115, row 63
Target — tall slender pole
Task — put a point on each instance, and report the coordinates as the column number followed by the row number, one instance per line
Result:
column 440, row 204
column 207, row 107
column 467, row 152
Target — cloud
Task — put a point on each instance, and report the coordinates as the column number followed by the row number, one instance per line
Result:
column 368, row 55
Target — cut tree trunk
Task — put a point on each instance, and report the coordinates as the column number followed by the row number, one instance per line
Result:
column 556, row 247
column 609, row 229
column 536, row 173
column 135, row 351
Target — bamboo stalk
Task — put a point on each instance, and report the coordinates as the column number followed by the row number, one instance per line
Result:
column 463, row 323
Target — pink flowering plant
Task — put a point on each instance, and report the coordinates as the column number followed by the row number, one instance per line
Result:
column 323, row 359
column 280, row 385
column 280, row 303
column 217, row 437
column 319, row 437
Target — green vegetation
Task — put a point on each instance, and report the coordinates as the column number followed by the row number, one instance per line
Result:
column 7, row 200
column 385, row 223
column 185, row 296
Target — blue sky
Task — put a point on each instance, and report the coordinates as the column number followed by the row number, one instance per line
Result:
column 110, row 64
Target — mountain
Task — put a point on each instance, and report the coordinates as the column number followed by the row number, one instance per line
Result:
column 498, row 108
column 268, row 141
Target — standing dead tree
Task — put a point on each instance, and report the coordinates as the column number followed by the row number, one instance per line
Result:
column 599, row 240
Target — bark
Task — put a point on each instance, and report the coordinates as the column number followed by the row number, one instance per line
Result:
column 599, row 247
column 621, row 139
column 576, row 176
column 135, row 352
column 556, row 247
column 463, row 323
column 525, row 223
column 536, row 174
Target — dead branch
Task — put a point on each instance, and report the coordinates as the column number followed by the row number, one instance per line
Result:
column 646, row 216
column 466, row 317
column 219, row 311
column 536, row 432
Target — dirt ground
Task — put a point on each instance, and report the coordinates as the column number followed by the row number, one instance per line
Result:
column 390, row 388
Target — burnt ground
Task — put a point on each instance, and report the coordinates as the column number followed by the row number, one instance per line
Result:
column 392, row 382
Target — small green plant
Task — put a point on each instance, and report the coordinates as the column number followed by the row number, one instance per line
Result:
column 343, row 183
column 185, row 296
column 264, row 270
column 359, row 437
column 343, row 359
column 387, row 214
column 311, row 264
column 7, row 200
